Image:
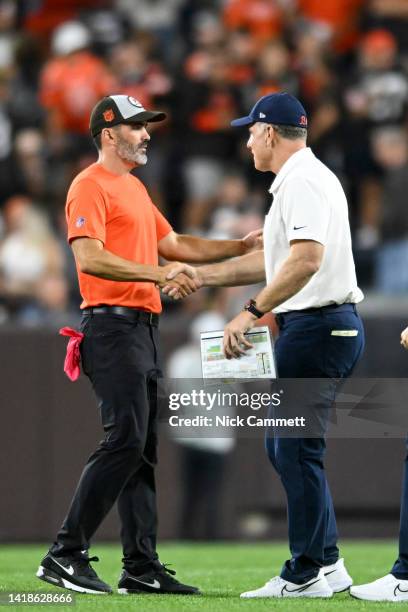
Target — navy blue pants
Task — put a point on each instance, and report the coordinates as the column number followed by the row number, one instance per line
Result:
column 307, row 348
column 400, row 569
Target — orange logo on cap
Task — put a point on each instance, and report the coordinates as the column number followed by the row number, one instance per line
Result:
column 303, row 120
column 109, row 115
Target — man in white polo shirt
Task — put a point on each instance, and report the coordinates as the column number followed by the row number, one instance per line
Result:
column 311, row 286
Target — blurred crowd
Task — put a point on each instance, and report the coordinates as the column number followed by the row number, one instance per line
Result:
column 203, row 62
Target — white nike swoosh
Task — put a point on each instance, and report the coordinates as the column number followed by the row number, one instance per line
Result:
column 155, row 584
column 70, row 570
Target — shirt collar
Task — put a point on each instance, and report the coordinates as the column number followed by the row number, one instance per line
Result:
column 293, row 161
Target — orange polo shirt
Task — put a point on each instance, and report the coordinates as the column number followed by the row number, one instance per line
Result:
column 118, row 211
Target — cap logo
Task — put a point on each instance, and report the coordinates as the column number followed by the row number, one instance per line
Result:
column 303, row 120
column 134, row 102
column 262, row 115
column 109, row 115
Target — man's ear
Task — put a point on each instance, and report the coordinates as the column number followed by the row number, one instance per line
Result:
column 108, row 133
column 270, row 136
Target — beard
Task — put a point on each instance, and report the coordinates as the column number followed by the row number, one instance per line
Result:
column 131, row 152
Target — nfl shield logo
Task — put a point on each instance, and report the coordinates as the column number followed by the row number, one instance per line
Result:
column 80, row 221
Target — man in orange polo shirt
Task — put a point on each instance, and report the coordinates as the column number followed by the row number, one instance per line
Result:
column 116, row 234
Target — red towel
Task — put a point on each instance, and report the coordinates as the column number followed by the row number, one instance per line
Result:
column 73, row 356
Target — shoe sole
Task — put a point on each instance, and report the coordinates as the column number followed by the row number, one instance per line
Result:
column 340, row 588
column 47, row 575
column 368, row 598
column 311, row 596
column 158, row 592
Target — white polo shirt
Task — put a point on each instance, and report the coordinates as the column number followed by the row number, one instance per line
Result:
column 309, row 204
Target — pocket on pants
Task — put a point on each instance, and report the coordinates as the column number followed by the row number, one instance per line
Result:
column 342, row 351
column 85, row 348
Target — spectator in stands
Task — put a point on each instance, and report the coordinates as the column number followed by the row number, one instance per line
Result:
column 29, row 253
column 375, row 94
column 390, row 147
column 159, row 18
column 264, row 19
column 389, row 15
column 71, row 83
column 340, row 17
column 312, row 59
column 242, row 53
column 235, row 209
column 206, row 108
column 30, row 155
column 275, row 71
column 378, row 91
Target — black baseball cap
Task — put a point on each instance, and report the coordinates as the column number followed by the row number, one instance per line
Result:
column 279, row 108
column 117, row 109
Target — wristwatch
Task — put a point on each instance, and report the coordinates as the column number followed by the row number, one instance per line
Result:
column 250, row 306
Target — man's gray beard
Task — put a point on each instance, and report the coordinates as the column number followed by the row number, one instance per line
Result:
column 131, row 152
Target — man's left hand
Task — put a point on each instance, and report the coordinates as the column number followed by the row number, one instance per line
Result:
column 235, row 344
column 253, row 241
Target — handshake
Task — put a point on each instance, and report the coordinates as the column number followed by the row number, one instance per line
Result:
column 178, row 280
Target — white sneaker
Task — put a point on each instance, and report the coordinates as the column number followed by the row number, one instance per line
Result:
column 387, row 588
column 278, row 587
column 337, row 576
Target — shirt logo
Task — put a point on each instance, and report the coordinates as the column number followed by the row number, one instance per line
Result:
column 80, row 222
column 134, row 102
column 109, row 115
column 299, row 227
column 303, row 120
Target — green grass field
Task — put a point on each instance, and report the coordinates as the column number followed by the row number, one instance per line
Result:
column 222, row 571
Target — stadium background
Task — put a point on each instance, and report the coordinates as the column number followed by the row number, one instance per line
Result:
column 204, row 62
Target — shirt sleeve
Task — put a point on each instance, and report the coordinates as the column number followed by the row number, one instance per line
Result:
column 86, row 211
column 305, row 211
column 163, row 227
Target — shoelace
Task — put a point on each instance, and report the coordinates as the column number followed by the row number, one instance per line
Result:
column 168, row 570
column 84, row 561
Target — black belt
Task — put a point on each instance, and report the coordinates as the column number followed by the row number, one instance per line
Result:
column 282, row 317
column 135, row 314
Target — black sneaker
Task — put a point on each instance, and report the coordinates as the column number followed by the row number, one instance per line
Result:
column 157, row 579
column 73, row 572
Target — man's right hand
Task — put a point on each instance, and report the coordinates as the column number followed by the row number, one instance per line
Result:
column 404, row 338
column 178, row 280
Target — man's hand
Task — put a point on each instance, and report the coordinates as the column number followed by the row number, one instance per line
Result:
column 179, row 280
column 234, row 335
column 404, row 338
column 253, row 241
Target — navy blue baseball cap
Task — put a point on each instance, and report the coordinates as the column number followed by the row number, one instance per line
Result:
column 278, row 108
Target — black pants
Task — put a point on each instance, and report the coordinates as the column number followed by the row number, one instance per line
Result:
column 119, row 355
